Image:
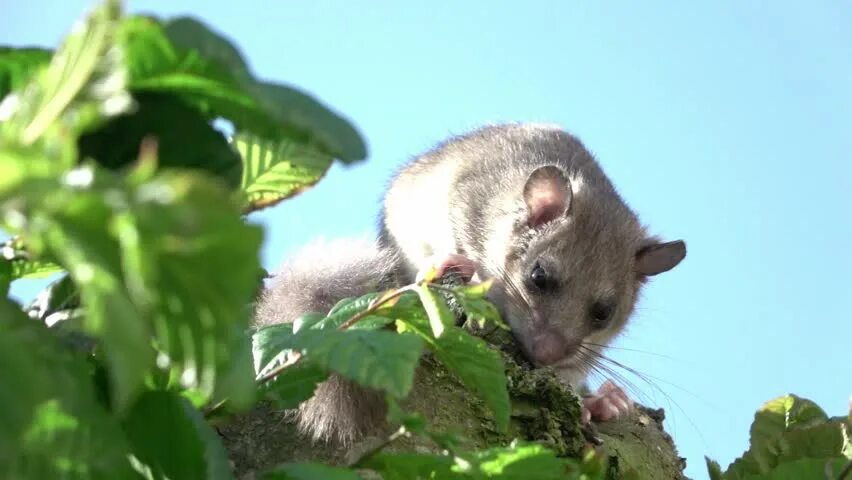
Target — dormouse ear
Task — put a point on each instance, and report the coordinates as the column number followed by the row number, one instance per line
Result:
column 659, row 257
column 547, row 194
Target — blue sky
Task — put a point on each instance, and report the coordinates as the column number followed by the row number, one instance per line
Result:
column 725, row 123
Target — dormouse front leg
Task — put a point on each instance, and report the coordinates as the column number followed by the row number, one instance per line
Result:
column 610, row 402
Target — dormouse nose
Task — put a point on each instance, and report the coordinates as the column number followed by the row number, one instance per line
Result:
column 548, row 347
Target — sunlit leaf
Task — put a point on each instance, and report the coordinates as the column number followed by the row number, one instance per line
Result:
column 83, row 84
column 440, row 316
column 275, row 170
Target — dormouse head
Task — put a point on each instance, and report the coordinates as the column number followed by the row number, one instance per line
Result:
column 570, row 283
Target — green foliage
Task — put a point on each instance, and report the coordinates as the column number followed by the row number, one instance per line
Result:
column 791, row 438
column 158, row 415
column 114, row 178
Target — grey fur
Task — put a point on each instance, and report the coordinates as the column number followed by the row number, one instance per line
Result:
column 314, row 280
column 476, row 188
column 475, row 195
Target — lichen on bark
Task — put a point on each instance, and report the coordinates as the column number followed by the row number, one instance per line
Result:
column 543, row 410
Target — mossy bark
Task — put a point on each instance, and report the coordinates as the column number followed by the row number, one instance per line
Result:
column 544, row 410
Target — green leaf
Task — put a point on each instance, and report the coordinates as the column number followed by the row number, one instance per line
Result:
column 519, row 461
column 272, row 347
column 308, row 471
column 18, row 65
column 22, row 263
column 51, row 425
column 185, row 139
column 714, row 471
column 412, row 466
column 5, row 276
column 170, row 439
column 440, row 316
column 476, row 306
column 274, row 170
column 803, row 469
column 294, row 385
column 479, row 367
column 169, row 258
column 374, row 358
column 186, row 58
column 83, row 84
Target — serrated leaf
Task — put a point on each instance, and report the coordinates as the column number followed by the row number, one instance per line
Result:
column 803, row 469
column 479, row 367
column 374, row 358
column 83, row 83
column 272, row 347
column 274, row 170
column 18, row 65
column 184, row 139
column 347, row 308
column 439, row 315
column 149, row 261
column 308, row 471
column 193, row 450
column 51, row 425
column 34, row 269
column 186, row 58
column 294, row 385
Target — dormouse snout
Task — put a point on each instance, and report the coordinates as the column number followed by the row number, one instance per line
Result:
column 549, row 346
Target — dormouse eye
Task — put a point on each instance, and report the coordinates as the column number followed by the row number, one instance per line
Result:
column 601, row 314
column 539, row 277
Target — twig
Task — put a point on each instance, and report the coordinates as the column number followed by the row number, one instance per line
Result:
column 374, row 305
column 377, row 448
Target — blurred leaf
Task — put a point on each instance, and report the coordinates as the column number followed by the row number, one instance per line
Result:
column 51, row 425
column 22, row 263
column 149, row 260
column 193, row 450
column 714, row 471
column 294, row 385
column 374, row 358
column 412, row 466
column 520, row 461
column 803, row 469
column 185, row 139
column 439, row 315
column 476, row 306
column 274, row 170
column 18, row 65
column 5, row 277
column 83, row 84
column 186, row 58
column 308, row 471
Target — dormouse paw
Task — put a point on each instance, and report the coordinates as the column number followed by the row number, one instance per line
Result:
column 442, row 264
column 608, row 403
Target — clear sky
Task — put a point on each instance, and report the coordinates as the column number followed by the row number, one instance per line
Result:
column 725, row 123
